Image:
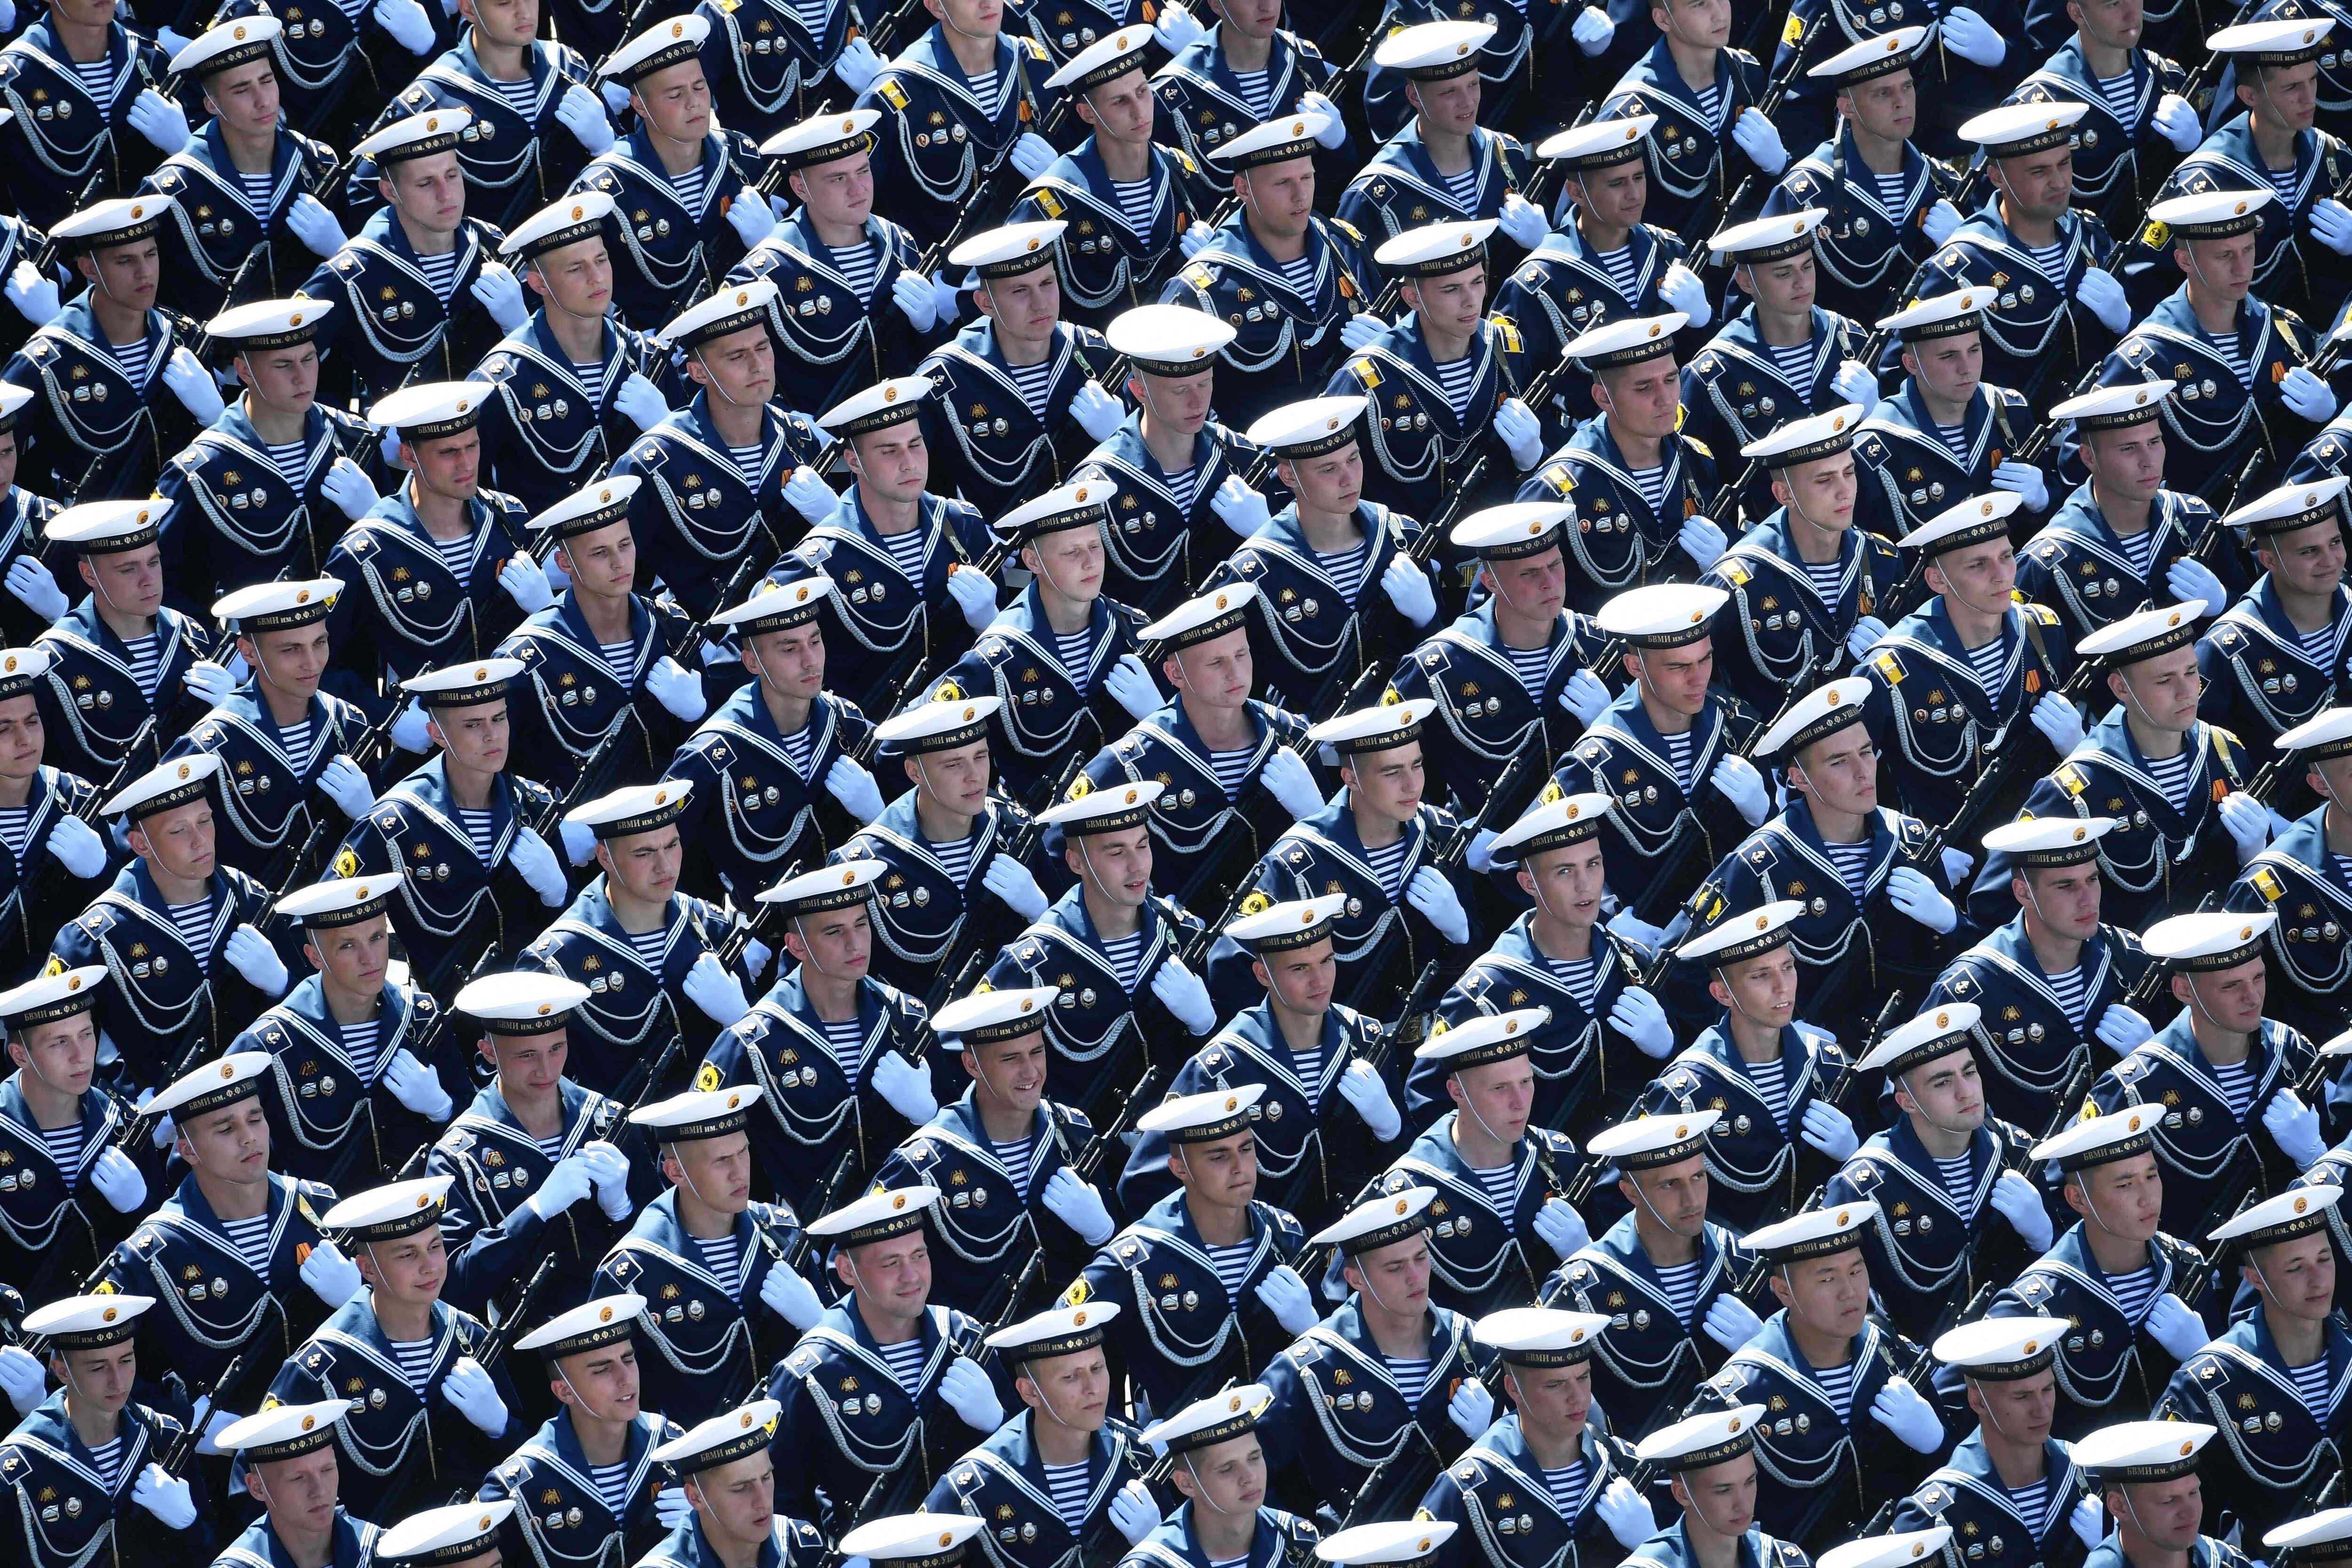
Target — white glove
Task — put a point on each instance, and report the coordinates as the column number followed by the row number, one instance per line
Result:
column 1523, row 221
column 791, row 1298
column 1010, row 881
column 677, row 688
column 2121, row 1030
column 1971, row 37
column 857, row 66
column 210, row 683
column 1362, row 1087
column 22, row 1379
column 78, row 848
column 1702, row 540
column 2191, row 581
column 2021, row 1206
column 806, row 492
column 2058, row 723
column 970, row 1394
column 250, row 954
column 1730, row 1322
column 2307, row 396
column 526, row 583
column 1939, row 220
column 1761, row 139
column 671, row 1507
column 1409, row 590
column 1682, row 292
column 2170, row 1323
column 1480, row 856
column 164, row 1495
column 342, row 783
column 615, row 94
column 906, row 1087
column 1078, row 1205
column 1920, row 899
column 911, row 293
column 1194, row 239
column 1358, row 329
column 409, row 730
column 711, row 986
column 2293, row 1126
column 2104, row 298
column 1855, row 383
column 1561, row 1229
column 1583, row 695
column 36, row 589
column 160, row 120
column 117, row 1180
column 1637, row 1015
column 2176, row 122
column 639, row 399
column 1133, row 1513
column 331, row 1276
column 34, row 293
column 1472, row 1408
column 581, row 112
column 1240, row 508
column 1521, row 433
column 1627, row 926
column 1185, row 998
column 1901, row 1411
column 1868, row 632
column 412, row 29
column 1735, row 779
column 1334, row 134
column 1176, row 29
column 947, row 301
column 2089, row 1519
column 1097, row 412
column 1626, row 1512
column 974, row 593
column 190, row 382
column 609, row 1168
column 349, row 488
column 571, row 1180
column 1829, row 1130
column 417, row 1087
column 1130, row 687
column 749, row 217
column 851, row 785
column 468, row 1389
column 1434, row 897
column 1033, row 155
column 308, row 218
column 2331, row 222
column 1288, row 778
column 2247, row 824
column 535, row 863
column 500, row 293
column 1284, row 1294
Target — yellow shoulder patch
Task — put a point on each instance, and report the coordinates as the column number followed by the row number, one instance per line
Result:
column 1890, row 666
column 893, row 94
column 1051, row 202
column 1794, row 32
column 1367, row 372
column 1735, row 574
column 2070, row 778
column 2267, row 884
column 1701, row 447
column 707, row 1078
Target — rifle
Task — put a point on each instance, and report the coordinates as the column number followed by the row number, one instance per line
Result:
column 1775, row 91
column 372, row 747
column 2152, row 983
column 175, row 1454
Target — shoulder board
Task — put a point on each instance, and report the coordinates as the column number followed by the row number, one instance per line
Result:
column 1888, row 665
column 2042, row 615
column 2070, row 778
column 1036, row 50
column 1344, row 226
column 890, row 93
column 2266, row 882
column 1734, row 572
column 1696, row 445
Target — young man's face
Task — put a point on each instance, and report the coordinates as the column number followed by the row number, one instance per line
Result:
column 125, row 275
column 838, row 942
column 2169, row 1513
column 738, row 1497
column 893, row 1276
column 1331, row 482
column 1697, row 24
column 129, row 581
column 230, row 1144
column 893, row 461
column 956, row 778
column 837, row 192
column 21, row 737
column 1979, row 575
column 577, row 277
column 429, row 191
column 604, row 1380
column 2162, row 691
column 1395, row 1277
column 1645, row 399
column 1947, row 1091
column 1821, row 492
column 1117, row 866
column 790, row 661
column 178, row 842
column 676, row 101
column 1027, row 306
column 1217, row 673
column 2040, row 186
column 1556, row 1398
column 975, row 18
column 1230, row 1476
column 1222, row 1171
column 1762, row 989
column 353, row 958
column 2112, row 24
column 1675, row 1196
column 1074, row 1390
column 2021, row 1409
column 1533, row 586
column 1278, row 198
column 2065, row 898
column 1121, row 108
column 2286, row 96
column 446, row 466
column 2123, row 1197
column 300, row 1493
column 1840, row 771
column 294, row 660
column 740, row 367
column 603, row 563
column 1566, row 883
column 2306, row 561
column 98, row 1380
column 1886, row 107
column 512, row 22
column 475, row 737
column 2230, row 998
column 1497, row 1097
column 1014, row 1069
column 1069, row 561
column 283, row 381
column 529, row 1066
column 1388, row 783
column 717, row 1171
column 407, row 1268
column 2223, row 268
column 1723, row 1496
column 1678, row 677
column 1950, row 368
column 1617, row 196
column 1254, row 18
column 646, row 865
column 1301, row 978
column 2299, row 1276
column 1831, row 1294
column 62, row 1054
column 1179, row 403
column 1451, row 106
column 1452, row 302
column 1783, row 288
column 2127, row 463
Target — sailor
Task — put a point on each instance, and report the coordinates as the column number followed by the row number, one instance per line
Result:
column 686, row 183
column 770, row 64
column 1710, row 1461
column 781, row 732
column 1306, row 277
column 1805, row 580
column 1781, row 359
column 1637, row 482
column 866, row 310
column 1055, row 653
column 532, row 1146
column 1884, row 200
column 247, row 486
column 2238, row 361
column 100, row 79
column 926, row 1395
column 601, row 373
column 1048, row 1480
column 23, row 518
column 1309, row 1056
column 279, row 737
column 2294, row 877
column 1112, row 948
column 438, row 571
column 332, row 73
column 710, row 1255
column 1171, row 466
column 1512, row 56
column 360, row 1074
column 1663, row 1274
column 493, row 876
column 460, row 1535
column 450, row 299
column 1442, row 166
column 2272, row 661
column 602, row 1434
column 2147, row 1473
column 442, row 1417
column 1702, row 89
column 81, row 1470
column 58, row 806
column 2009, row 1488
column 251, row 1241
column 119, row 388
column 2289, row 1354
column 2137, row 119
column 1003, row 1158
column 1959, row 72
column 1247, row 70
column 900, row 555
column 1202, row 1278
column 1950, row 682
column 1311, row 569
column 1822, row 1358
column 1773, row 1077
column 2053, row 978
column 73, row 1164
column 1219, row 1467
column 945, row 842
column 288, row 1457
column 1939, row 1174
column 1945, row 435
column 726, row 1474
column 723, row 470
column 825, row 1037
